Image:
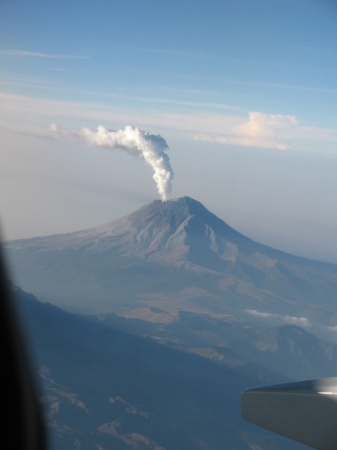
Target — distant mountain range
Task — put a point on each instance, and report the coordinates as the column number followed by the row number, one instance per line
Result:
column 175, row 255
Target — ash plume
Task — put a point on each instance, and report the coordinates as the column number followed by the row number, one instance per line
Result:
column 151, row 147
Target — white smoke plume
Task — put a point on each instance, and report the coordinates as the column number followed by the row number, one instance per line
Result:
column 151, row 147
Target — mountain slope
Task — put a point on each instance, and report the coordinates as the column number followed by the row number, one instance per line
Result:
column 107, row 389
column 175, row 255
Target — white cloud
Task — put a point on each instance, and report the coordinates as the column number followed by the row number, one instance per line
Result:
column 17, row 110
column 332, row 329
column 323, row 331
column 294, row 320
column 261, row 130
column 263, row 315
column 275, row 131
column 302, row 321
column 25, row 53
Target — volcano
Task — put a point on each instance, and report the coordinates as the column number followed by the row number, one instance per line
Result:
column 174, row 255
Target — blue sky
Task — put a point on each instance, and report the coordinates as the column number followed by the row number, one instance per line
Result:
column 244, row 92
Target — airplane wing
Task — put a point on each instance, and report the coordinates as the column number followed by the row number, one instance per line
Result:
column 304, row 411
